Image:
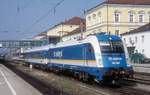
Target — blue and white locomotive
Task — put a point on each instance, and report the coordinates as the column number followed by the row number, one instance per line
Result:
column 100, row 57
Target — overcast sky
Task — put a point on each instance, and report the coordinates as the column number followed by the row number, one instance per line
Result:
column 22, row 19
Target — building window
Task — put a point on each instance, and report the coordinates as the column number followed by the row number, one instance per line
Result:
column 142, row 38
column 117, row 32
column 131, row 42
column 89, row 18
column 131, row 18
column 124, row 40
column 94, row 32
column 143, row 51
column 141, row 18
column 94, row 16
column 99, row 30
column 149, row 17
column 117, row 16
column 136, row 39
column 99, row 16
column 131, row 15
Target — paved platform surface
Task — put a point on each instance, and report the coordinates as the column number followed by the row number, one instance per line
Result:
column 143, row 68
column 11, row 84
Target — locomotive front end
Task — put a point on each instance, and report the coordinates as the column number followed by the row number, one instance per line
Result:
column 114, row 58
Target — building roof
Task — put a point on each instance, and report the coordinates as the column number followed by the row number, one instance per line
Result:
column 74, row 21
column 125, row 2
column 42, row 35
column 145, row 28
column 136, row 2
column 78, row 30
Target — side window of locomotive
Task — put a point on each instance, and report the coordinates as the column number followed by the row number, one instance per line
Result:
column 90, row 48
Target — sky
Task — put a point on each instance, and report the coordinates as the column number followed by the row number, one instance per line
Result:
column 23, row 19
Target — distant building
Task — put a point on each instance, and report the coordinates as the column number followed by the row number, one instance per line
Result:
column 117, row 16
column 138, row 40
column 12, row 47
column 40, row 36
column 75, row 34
column 63, row 28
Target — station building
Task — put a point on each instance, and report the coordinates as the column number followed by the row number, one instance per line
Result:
column 77, row 34
column 58, row 31
column 138, row 40
column 117, row 16
column 41, row 36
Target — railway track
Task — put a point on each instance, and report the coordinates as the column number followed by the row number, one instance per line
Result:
column 82, row 88
column 141, row 81
column 141, row 78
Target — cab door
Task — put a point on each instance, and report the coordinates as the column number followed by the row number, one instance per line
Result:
column 90, row 56
column 84, row 55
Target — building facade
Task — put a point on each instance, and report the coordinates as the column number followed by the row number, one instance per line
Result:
column 65, row 27
column 75, row 34
column 57, row 32
column 41, row 36
column 117, row 16
column 137, row 41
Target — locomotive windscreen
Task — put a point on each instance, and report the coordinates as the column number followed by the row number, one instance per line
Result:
column 111, row 46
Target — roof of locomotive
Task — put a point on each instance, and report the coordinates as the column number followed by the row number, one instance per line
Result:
column 106, row 37
column 100, row 37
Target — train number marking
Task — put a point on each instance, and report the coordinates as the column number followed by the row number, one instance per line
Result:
column 58, row 54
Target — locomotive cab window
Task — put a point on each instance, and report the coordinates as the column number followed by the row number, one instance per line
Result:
column 111, row 46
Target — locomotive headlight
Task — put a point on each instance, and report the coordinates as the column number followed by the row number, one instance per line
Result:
column 122, row 72
column 110, row 38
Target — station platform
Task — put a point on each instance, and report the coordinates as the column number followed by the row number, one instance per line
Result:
column 12, row 84
column 141, row 68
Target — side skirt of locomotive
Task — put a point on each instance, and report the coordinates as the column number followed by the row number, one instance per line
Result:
column 91, row 73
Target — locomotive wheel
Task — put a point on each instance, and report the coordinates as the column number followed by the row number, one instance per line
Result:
column 76, row 76
column 80, row 76
column 85, row 77
column 90, row 79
